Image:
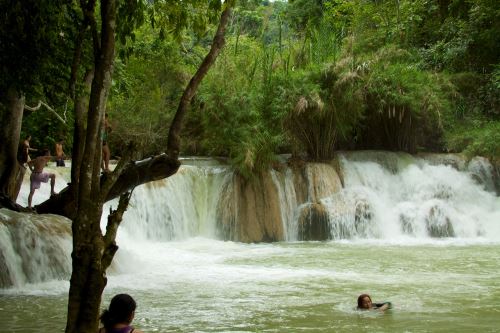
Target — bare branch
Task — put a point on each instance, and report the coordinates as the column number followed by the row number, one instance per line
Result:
column 114, row 219
column 173, row 145
column 40, row 103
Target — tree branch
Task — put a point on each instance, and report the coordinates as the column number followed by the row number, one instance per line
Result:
column 40, row 103
column 114, row 219
column 173, row 145
column 134, row 174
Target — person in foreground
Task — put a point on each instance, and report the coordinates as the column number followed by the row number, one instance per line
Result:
column 38, row 176
column 365, row 303
column 118, row 317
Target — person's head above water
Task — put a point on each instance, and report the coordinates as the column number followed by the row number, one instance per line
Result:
column 364, row 301
column 121, row 311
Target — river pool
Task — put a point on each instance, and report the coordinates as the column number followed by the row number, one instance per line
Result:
column 204, row 285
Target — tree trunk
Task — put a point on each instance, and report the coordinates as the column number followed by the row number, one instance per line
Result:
column 88, row 277
column 11, row 116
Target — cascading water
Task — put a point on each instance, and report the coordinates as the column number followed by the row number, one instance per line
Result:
column 288, row 203
column 33, row 248
column 398, row 197
column 402, row 228
column 414, row 199
column 176, row 208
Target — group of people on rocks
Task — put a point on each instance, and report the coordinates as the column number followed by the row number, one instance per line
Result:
column 36, row 165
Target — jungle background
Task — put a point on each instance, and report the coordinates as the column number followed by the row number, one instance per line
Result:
column 307, row 77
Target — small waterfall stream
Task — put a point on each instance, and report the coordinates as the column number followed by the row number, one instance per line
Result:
column 288, row 203
column 364, row 195
column 176, row 208
column 33, row 248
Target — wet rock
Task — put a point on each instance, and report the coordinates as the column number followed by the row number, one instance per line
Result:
column 313, row 223
column 483, row 172
column 315, row 181
column 254, row 214
column 438, row 224
column 456, row 161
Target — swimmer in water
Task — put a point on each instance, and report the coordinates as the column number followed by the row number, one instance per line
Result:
column 365, row 303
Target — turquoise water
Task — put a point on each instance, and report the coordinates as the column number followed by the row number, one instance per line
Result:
column 203, row 285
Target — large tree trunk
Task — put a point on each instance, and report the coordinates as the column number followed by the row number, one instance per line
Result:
column 11, row 116
column 91, row 257
column 88, row 277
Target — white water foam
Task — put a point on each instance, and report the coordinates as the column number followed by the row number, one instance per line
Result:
column 171, row 225
column 419, row 200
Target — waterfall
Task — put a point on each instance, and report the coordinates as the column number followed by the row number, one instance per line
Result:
column 413, row 198
column 288, row 203
column 175, row 208
column 33, row 248
column 360, row 195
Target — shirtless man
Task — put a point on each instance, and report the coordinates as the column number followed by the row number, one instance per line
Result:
column 38, row 176
column 24, row 150
column 59, row 153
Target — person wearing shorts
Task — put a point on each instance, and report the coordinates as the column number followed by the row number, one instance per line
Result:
column 38, row 176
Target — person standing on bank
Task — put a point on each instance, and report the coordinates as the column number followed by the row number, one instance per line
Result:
column 24, row 151
column 106, row 153
column 38, row 176
column 118, row 317
column 60, row 153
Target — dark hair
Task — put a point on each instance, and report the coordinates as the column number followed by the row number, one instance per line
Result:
column 120, row 309
column 360, row 300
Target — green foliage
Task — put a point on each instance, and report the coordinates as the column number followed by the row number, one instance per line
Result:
column 495, row 77
column 407, row 101
column 145, row 92
column 475, row 138
column 173, row 17
column 473, row 125
column 339, row 15
column 34, row 39
column 468, row 38
column 45, row 129
column 231, row 117
column 304, row 14
column 303, row 75
column 365, row 72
